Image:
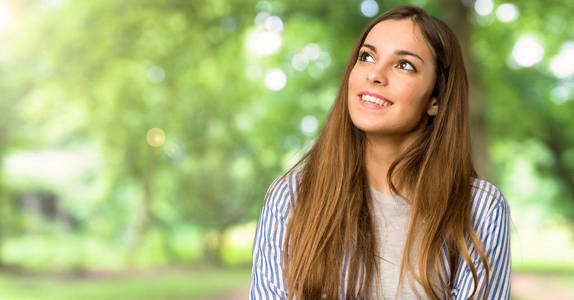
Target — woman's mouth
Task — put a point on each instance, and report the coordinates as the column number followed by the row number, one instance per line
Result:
column 373, row 102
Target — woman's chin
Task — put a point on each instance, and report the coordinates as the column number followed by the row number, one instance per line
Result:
column 370, row 124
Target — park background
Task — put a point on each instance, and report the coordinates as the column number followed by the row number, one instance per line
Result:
column 138, row 138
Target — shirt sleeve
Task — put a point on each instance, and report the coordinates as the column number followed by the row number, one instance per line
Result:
column 267, row 279
column 494, row 233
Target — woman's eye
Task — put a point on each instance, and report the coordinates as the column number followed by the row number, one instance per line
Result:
column 363, row 56
column 403, row 64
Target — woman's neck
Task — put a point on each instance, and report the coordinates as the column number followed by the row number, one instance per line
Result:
column 381, row 152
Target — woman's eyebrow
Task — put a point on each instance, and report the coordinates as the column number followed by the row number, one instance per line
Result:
column 398, row 52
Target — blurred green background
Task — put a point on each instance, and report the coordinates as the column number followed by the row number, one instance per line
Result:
column 138, row 138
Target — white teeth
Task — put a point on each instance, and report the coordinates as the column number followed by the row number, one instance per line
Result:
column 372, row 99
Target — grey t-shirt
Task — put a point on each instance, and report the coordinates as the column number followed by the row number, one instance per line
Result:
column 392, row 215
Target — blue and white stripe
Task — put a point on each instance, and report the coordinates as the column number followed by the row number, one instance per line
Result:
column 490, row 217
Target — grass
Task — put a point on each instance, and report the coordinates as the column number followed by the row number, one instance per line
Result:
column 530, row 281
column 162, row 284
column 544, row 266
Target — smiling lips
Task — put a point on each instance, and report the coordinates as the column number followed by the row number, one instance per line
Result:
column 372, row 99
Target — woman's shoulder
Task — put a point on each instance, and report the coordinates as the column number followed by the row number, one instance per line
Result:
column 282, row 192
column 486, row 197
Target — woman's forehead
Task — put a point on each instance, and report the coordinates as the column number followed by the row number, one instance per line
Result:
column 390, row 35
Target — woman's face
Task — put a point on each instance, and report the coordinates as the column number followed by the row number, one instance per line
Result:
column 391, row 83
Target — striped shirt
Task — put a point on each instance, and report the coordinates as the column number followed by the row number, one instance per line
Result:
column 490, row 217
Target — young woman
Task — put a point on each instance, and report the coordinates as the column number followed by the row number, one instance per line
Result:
column 388, row 191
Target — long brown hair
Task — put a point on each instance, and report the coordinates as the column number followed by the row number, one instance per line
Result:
column 332, row 217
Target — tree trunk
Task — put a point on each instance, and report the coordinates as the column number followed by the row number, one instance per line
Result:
column 212, row 246
column 459, row 22
column 143, row 224
column 558, row 146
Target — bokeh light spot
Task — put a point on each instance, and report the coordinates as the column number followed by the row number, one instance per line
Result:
column 527, row 51
column 562, row 65
column 560, row 94
column 299, row 61
column 483, row 7
column 275, row 79
column 263, row 42
column 507, row 12
column 324, row 60
column 155, row 137
column 173, row 150
column 260, row 18
column 309, row 125
column 369, row 8
column 156, row 74
column 313, row 57
column 312, row 51
column 273, row 24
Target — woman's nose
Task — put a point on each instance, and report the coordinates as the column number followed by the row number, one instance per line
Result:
column 377, row 75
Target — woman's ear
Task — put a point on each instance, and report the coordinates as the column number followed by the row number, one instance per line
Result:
column 432, row 109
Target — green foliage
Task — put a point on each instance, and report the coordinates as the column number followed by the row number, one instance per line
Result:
column 238, row 241
column 72, row 252
column 97, row 75
column 162, row 284
column 521, row 103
